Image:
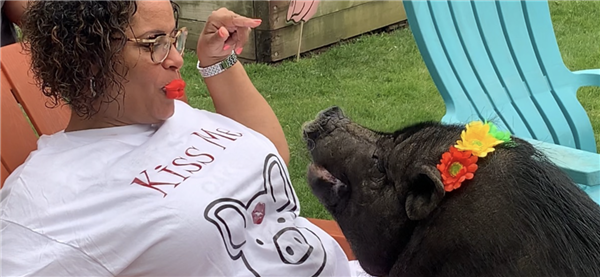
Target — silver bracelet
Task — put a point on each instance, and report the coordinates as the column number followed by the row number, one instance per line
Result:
column 219, row 67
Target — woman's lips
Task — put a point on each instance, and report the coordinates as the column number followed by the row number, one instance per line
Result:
column 175, row 89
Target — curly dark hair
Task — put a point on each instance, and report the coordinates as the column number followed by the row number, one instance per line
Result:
column 74, row 42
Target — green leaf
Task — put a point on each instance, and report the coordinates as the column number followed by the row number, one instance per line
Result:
column 499, row 135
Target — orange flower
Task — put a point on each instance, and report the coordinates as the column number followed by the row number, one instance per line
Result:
column 175, row 89
column 456, row 166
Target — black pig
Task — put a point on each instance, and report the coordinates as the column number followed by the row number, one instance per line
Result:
column 519, row 216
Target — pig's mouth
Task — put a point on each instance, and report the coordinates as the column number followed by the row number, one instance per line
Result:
column 331, row 191
column 322, row 173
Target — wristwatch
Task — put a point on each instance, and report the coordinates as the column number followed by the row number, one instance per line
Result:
column 219, row 67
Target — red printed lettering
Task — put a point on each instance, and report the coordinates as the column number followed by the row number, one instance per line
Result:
column 165, row 169
column 185, row 166
column 188, row 152
column 209, row 136
column 227, row 132
column 182, row 162
column 210, row 159
column 149, row 184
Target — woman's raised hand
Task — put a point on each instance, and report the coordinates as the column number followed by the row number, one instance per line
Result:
column 224, row 31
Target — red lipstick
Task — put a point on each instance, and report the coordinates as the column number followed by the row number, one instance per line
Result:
column 175, row 89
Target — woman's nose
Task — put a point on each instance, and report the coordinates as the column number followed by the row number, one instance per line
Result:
column 174, row 60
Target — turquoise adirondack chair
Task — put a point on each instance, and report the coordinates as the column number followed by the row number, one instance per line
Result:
column 499, row 61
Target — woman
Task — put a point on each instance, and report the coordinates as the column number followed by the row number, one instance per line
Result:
column 141, row 184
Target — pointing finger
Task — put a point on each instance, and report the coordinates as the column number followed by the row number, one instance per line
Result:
column 240, row 21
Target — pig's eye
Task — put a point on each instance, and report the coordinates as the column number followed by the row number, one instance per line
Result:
column 378, row 163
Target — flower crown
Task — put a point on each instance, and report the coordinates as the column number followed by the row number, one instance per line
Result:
column 460, row 162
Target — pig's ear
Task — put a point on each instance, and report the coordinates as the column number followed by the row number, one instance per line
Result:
column 424, row 193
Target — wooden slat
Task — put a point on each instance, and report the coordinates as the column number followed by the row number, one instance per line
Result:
column 278, row 11
column 200, row 10
column 328, row 29
column 195, row 28
column 276, row 39
column 194, row 15
column 15, row 64
column 333, row 229
column 18, row 138
column 3, row 175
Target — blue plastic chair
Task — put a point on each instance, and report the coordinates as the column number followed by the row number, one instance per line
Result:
column 499, row 61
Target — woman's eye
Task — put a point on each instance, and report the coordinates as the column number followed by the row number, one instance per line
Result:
column 156, row 35
column 161, row 46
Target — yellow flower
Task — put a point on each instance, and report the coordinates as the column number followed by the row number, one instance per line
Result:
column 477, row 139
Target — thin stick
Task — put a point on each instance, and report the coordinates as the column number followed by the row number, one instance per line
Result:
column 300, row 40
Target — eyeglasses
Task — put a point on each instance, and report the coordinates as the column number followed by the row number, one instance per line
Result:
column 161, row 45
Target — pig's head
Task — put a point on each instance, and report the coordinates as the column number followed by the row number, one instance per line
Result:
column 376, row 185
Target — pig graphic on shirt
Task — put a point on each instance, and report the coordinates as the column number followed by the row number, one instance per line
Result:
column 262, row 233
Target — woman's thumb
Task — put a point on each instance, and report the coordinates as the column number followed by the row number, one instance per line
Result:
column 223, row 33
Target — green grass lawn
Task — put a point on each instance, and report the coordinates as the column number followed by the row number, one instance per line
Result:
column 381, row 81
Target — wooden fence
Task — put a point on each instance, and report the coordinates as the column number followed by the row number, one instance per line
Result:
column 276, row 38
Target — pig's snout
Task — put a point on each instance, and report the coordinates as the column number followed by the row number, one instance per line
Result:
column 332, row 112
column 325, row 122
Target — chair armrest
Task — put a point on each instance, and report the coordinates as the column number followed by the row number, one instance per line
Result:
column 589, row 77
column 333, row 229
column 582, row 166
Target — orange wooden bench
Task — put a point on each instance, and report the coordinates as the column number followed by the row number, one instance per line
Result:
column 22, row 102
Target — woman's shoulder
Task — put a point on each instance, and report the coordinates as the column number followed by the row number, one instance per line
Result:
column 186, row 116
column 186, row 112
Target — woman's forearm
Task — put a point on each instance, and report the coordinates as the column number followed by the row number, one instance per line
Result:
column 235, row 96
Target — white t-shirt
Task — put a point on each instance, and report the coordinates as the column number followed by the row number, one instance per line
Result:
column 201, row 195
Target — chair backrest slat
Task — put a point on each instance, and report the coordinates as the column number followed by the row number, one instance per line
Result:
column 542, row 35
column 18, row 136
column 16, row 67
column 499, row 61
column 563, row 83
column 3, row 174
column 524, row 51
column 526, row 120
column 459, row 61
column 483, row 64
column 438, row 64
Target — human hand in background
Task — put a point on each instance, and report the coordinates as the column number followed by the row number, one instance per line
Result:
column 224, row 31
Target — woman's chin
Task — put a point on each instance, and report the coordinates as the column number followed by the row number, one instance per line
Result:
column 165, row 110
